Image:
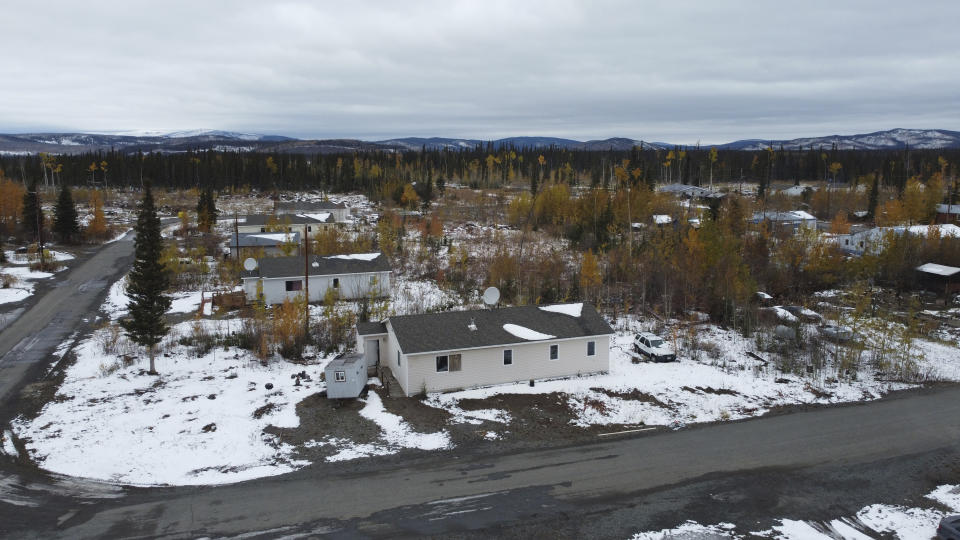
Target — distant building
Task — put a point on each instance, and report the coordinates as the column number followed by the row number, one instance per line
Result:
column 792, row 220
column 339, row 211
column 948, row 213
column 264, row 223
column 464, row 349
column 874, row 240
column 690, row 192
column 355, row 276
column 938, row 278
column 259, row 245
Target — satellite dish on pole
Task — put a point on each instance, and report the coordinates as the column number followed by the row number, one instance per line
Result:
column 491, row 296
column 250, row 264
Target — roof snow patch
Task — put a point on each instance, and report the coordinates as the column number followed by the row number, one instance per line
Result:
column 356, row 256
column 572, row 310
column 523, row 332
column 323, row 216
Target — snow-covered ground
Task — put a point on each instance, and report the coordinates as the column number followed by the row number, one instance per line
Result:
column 22, row 285
column 876, row 520
column 113, row 422
column 730, row 386
column 395, row 432
column 24, row 258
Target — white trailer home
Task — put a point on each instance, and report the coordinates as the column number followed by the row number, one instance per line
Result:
column 265, row 223
column 465, row 349
column 873, row 241
column 355, row 276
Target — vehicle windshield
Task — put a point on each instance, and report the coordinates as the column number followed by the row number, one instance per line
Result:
column 656, row 342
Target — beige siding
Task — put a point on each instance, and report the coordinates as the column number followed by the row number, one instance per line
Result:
column 483, row 367
column 389, row 357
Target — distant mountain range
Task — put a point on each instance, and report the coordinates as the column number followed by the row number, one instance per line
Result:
column 181, row 141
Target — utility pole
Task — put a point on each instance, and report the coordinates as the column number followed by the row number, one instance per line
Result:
column 236, row 234
column 306, row 280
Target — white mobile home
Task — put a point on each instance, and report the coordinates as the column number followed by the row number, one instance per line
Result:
column 464, row 349
column 352, row 277
column 873, row 241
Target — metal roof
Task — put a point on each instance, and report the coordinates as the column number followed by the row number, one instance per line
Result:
column 451, row 330
column 938, row 269
column 280, row 267
column 285, row 219
column 306, row 206
column 264, row 239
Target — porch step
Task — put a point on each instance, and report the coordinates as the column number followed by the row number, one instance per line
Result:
column 390, row 382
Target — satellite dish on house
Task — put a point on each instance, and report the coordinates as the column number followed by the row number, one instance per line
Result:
column 250, row 264
column 491, row 296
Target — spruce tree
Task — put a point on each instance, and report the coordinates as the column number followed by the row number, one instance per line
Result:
column 32, row 217
column 206, row 210
column 65, row 217
column 874, row 196
column 147, row 282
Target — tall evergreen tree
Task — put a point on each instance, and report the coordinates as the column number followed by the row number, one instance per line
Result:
column 65, row 217
column 32, row 220
column 207, row 210
column 874, row 196
column 148, row 282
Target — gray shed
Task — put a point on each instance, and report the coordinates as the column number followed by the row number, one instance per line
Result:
column 346, row 376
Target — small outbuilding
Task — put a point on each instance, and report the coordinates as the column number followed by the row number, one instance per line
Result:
column 346, row 376
column 939, row 278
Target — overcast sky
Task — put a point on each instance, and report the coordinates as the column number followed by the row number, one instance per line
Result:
column 671, row 71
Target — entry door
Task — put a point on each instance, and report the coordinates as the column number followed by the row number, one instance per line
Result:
column 371, row 350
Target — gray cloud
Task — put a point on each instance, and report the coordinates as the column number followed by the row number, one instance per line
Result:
column 677, row 71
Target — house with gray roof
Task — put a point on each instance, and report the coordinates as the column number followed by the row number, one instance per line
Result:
column 258, row 245
column 266, row 223
column 339, row 211
column 352, row 277
column 465, row 349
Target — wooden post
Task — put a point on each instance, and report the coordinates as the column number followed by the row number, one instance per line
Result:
column 306, row 280
column 236, row 235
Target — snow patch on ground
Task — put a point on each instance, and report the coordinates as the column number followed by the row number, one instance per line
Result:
column 200, row 422
column 396, row 434
column 870, row 522
column 689, row 530
column 7, row 446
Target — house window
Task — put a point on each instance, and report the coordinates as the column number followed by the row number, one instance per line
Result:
column 373, row 280
column 554, row 352
column 294, row 285
column 336, row 283
column 263, row 229
column 340, row 376
column 591, row 348
column 398, row 358
column 448, row 362
column 508, row 357
column 309, row 228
